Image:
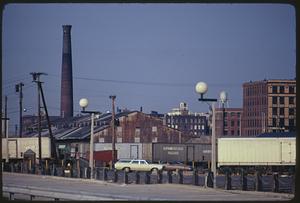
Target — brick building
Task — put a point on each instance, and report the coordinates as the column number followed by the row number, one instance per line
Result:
column 137, row 127
column 269, row 106
column 190, row 124
column 232, row 122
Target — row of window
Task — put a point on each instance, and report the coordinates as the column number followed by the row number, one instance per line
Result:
column 256, row 101
column 192, row 127
column 186, row 120
column 282, row 111
column 291, row 89
column 233, row 114
column 232, row 132
column 232, row 123
column 281, row 100
column 255, row 90
column 280, row 122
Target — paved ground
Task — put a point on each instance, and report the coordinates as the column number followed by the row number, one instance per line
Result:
column 79, row 189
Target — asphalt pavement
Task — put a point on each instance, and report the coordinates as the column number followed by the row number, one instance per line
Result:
column 85, row 189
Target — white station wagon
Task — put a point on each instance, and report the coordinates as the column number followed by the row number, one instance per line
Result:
column 137, row 165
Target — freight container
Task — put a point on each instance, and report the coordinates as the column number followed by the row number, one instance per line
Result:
column 18, row 146
column 256, row 151
column 128, row 150
column 181, row 152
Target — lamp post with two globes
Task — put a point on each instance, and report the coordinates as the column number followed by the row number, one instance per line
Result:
column 201, row 88
column 84, row 103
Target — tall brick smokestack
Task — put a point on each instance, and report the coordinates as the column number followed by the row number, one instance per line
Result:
column 66, row 100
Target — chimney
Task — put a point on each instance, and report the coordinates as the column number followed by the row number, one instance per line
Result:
column 66, row 101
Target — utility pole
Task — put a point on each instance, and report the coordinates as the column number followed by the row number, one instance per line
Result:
column 36, row 79
column 19, row 89
column 113, row 97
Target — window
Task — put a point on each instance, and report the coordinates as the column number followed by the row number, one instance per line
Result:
column 281, row 100
column 274, row 111
column 232, row 114
column 274, row 124
column 274, row 100
column 291, row 100
column 225, row 123
column 154, row 129
column 225, row 132
column 232, row 123
column 274, row 89
column 281, row 89
column 238, row 123
column 281, row 111
column 232, row 132
column 281, row 122
column 291, row 122
column 238, row 114
column 225, row 114
column 291, row 89
column 291, row 112
column 135, row 162
column 137, row 132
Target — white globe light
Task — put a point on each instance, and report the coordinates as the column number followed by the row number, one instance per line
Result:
column 223, row 96
column 83, row 102
column 201, row 87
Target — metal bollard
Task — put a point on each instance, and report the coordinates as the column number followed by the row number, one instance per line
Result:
column 258, row 181
column 195, row 177
column 125, row 177
column 170, row 177
column 11, row 196
column 227, row 181
column 147, row 177
column 244, row 180
column 115, row 176
column 159, row 177
column 180, row 177
column 275, row 182
column 137, row 177
column 105, row 174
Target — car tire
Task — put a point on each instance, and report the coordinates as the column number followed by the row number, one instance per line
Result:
column 126, row 169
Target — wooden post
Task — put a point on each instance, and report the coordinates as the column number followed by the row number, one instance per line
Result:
column 275, row 182
column 170, row 177
column 46, row 172
column 125, row 177
column 104, row 174
column 258, row 181
column 137, row 177
column 195, row 177
column 147, row 178
column 30, row 165
column 159, row 177
column 180, row 178
column 115, row 176
column 227, row 181
column 244, row 180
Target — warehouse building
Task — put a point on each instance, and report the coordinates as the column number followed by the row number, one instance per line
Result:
column 269, row 106
column 228, row 121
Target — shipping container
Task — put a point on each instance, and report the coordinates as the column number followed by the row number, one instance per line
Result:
column 18, row 146
column 256, row 151
column 128, row 150
column 182, row 152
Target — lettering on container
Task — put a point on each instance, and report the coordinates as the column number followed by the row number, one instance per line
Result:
column 173, row 148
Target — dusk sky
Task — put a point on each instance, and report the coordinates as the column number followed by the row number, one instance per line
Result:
column 149, row 55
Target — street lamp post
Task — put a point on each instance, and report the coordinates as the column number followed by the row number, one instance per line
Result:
column 201, row 88
column 84, row 103
column 223, row 98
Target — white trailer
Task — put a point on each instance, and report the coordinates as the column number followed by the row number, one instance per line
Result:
column 257, row 151
column 18, row 146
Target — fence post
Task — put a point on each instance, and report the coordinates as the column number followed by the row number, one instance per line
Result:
column 159, row 177
column 227, row 180
column 137, row 177
column 170, row 177
column 115, row 176
column 275, row 182
column 293, row 184
column 258, row 181
column 209, row 179
column 125, row 177
column 104, row 174
column 180, row 179
column 244, row 180
column 147, row 177
column 195, row 177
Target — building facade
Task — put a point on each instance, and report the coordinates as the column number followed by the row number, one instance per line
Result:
column 190, row 124
column 231, row 122
column 269, row 106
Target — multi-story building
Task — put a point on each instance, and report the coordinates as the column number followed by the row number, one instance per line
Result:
column 190, row 124
column 269, row 106
column 231, row 122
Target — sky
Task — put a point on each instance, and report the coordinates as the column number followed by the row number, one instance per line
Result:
column 149, row 55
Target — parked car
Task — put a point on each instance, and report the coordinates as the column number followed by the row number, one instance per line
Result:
column 172, row 166
column 137, row 165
